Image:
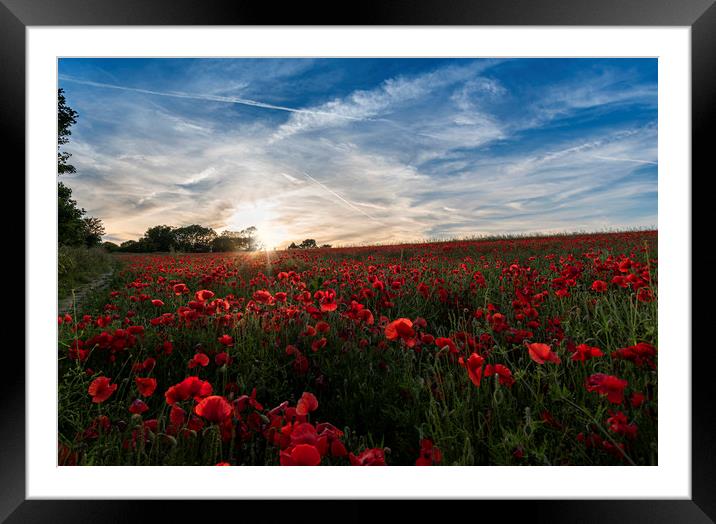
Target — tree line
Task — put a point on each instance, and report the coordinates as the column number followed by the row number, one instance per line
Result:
column 189, row 239
column 198, row 239
column 309, row 243
column 74, row 228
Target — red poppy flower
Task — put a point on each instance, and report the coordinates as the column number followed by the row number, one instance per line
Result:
column 146, row 386
column 301, row 455
column 369, row 457
column 307, row 403
column 401, row 328
column 474, row 368
column 157, row 303
column 214, row 409
column 645, row 295
column 204, row 295
column 180, row 288
column 187, row 388
column 302, row 433
column 177, row 415
column 200, row 359
column 504, row 374
column 584, row 352
column 444, row 342
column 318, row 344
column 609, row 385
column 641, row 354
column 620, row 281
column 226, row 340
column 430, row 455
column 542, row 353
column 617, row 423
column 222, row 358
column 599, row 286
column 637, row 399
column 263, row 297
column 100, row 389
column 138, row 407
column 327, row 300
column 167, row 347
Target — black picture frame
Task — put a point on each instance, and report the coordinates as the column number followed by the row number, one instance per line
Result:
column 699, row 15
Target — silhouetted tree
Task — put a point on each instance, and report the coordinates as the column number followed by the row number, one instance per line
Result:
column 162, row 238
column 129, row 245
column 93, row 231
column 309, row 243
column 73, row 228
column 66, row 116
column 70, row 226
column 249, row 234
column 194, row 238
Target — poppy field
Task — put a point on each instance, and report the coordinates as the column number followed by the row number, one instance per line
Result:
column 513, row 351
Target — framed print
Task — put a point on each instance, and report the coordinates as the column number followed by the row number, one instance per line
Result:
column 428, row 236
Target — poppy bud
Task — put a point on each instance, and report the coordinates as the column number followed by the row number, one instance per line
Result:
column 168, row 439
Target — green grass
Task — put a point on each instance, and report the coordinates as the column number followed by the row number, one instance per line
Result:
column 77, row 266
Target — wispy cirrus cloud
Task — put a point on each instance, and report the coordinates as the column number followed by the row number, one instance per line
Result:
column 366, row 150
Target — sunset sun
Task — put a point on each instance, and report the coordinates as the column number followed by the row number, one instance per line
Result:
column 262, row 215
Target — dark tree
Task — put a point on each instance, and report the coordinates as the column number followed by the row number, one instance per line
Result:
column 293, row 246
column 66, row 117
column 71, row 229
column 162, row 238
column 224, row 243
column 129, row 245
column 249, row 236
column 94, row 229
column 326, row 246
column 309, row 243
column 194, row 238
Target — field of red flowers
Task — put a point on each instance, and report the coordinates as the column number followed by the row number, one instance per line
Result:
column 536, row 351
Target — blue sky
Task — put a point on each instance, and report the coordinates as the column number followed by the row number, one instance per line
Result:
column 352, row 151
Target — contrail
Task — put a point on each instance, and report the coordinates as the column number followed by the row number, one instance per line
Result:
column 211, row 98
column 346, row 202
column 626, row 160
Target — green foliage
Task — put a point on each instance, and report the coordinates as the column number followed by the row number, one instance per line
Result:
column 73, row 227
column 66, row 117
column 309, row 243
column 160, row 238
column 194, row 238
column 79, row 265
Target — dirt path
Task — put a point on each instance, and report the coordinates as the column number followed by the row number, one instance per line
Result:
column 67, row 304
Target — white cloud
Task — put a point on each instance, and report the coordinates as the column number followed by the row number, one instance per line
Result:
column 407, row 160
